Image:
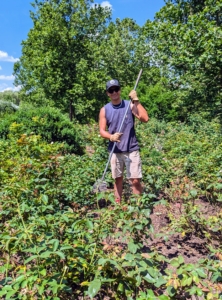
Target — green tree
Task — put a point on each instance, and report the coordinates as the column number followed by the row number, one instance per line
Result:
column 120, row 49
column 6, row 107
column 185, row 43
column 10, row 96
column 60, row 57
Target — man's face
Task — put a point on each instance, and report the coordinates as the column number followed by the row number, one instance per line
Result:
column 114, row 92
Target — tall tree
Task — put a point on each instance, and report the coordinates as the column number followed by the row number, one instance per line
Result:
column 185, row 42
column 60, row 56
column 10, row 96
column 120, row 49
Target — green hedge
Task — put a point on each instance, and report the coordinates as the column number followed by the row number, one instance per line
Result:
column 47, row 122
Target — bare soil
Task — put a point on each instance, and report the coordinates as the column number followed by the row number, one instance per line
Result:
column 192, row 246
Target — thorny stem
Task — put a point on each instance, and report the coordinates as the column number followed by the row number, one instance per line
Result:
column 97, row 238
column 23, row 223
column 63, row 274
column 26, row 231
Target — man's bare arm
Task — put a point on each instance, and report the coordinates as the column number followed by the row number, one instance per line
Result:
column 139, row 112
column 103, row 124
column 137, row 109
column 115, row 137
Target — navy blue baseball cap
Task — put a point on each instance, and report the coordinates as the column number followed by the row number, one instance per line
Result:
column 112, row 82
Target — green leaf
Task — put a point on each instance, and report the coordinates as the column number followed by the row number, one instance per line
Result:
column 150, row 293
column 2, row 293
column 171, row 291
column 199, row 292
column 24, row 284
column 2, row 269
column 189, row 281
column 55, row 245
column 163, row 297
column 160, row 281
column 61, row 254
column 30, row 258
column 89, row 224
column 193, row 193
column 193, row 290
column 102, row 261
column 45, row 199
column 139, row 227
column 149, row 279
column 19, row 278
column 31, row 250
column 189, row 267
column 129, row 256
column 94, row 288
column 120, row 287
column 66, row 248
column 40, row 289
column 184, row 280
column 201, row 273
column 65, row 218
column 174, row 262
column 9, row 294
column 132, row 247
column 45, row 254
column 180, row 260
column 138, row 280
column 43, row 272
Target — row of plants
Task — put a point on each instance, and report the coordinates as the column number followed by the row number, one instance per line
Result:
column 61, row 241
column 53, row 245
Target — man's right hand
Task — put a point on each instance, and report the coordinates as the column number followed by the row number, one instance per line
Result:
column 115, row 137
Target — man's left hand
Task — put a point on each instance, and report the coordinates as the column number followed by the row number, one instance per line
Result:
column 133, row 96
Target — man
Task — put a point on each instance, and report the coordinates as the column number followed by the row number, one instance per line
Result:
column 126, row 152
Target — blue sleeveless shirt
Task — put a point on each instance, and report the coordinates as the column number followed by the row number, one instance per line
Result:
column 114, row 116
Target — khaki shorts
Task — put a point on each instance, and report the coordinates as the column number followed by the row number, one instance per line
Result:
column 132, row 162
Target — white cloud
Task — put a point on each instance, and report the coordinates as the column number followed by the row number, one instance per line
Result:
column 103, row 4
column 106, row 4
column 13, row 89
column 4, row 77
column 3, row 86
column 5, row 57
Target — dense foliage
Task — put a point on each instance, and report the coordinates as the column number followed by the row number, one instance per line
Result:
column 66, row 57
column 6, row 106
column 74, row 48
column 177, row 150
column 10, row 96
column 58, row 239
column 185, row 43
column 61, row 241
column 47, row 122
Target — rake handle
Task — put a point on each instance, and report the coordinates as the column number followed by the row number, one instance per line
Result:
column 121, row 125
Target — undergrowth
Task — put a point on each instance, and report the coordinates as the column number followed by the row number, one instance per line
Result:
column 61, row 241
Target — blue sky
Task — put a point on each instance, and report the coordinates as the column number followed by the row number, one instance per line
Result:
column 15, row 23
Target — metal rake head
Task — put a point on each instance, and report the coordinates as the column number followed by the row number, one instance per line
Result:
column 99, row 186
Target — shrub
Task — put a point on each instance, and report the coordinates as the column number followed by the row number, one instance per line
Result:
column 55, row 244
column 7, row 107
column 159, row 101
column 178, row 150
column 47, row 122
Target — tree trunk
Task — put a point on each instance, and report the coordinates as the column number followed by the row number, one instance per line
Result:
column 71, row 111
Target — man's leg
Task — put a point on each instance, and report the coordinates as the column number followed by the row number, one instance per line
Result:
column 136, row 186
column 117, row 167
column 134, row 171
column 118, row 188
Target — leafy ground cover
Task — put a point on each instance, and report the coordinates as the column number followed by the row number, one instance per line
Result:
column 61, row 241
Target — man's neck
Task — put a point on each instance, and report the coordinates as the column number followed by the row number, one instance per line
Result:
column 116, row 102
